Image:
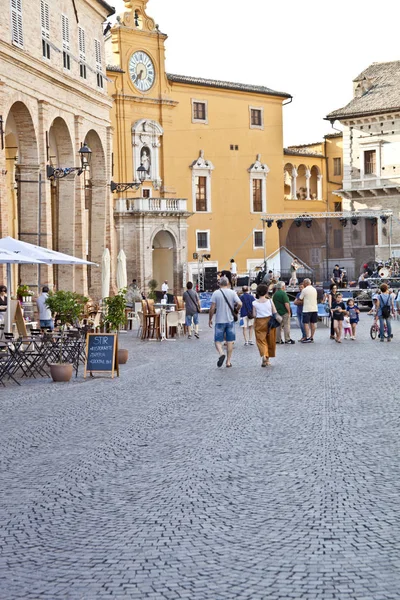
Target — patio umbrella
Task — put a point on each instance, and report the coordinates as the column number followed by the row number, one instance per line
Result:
column 122, row 278
column 14, row 258
column 44, row 255
column 105, row 273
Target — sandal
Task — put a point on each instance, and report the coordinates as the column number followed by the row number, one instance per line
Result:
column 227, row 366
column 221, row 360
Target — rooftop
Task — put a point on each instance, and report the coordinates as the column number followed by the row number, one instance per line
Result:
column 226, row 85
column 293, row 152
column 381, row 83
column 111, row 9
column 115, row 69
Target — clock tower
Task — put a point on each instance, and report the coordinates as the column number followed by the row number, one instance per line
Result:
column 150, row 222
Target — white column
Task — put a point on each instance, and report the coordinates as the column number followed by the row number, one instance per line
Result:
column 319, row 187
column 294, row 184
column 308, row 175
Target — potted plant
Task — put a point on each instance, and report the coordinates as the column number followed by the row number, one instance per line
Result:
column 115, row 318
column 153, row 286
column 24, row 294
column 68, row 306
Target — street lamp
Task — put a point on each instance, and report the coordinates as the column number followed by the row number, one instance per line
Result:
column 135, row 185
column 85, row 155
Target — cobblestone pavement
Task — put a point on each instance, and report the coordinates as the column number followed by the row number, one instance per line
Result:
column 184, row 481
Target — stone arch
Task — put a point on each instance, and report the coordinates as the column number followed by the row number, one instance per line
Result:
column 301, row 186
column 164, row 256
column 95, row 212
column 21, row 217
column 288, row 181
column 61, row 154
column 315, row 174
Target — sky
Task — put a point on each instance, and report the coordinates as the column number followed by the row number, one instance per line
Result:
column 312, row 50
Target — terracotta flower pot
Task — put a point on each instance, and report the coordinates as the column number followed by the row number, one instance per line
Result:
column 122, row 356
column 61, row 372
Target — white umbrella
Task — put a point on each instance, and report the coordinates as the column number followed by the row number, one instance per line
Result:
column 122, row 277
column 105, row 273
column 14, row 258
column 44, row 255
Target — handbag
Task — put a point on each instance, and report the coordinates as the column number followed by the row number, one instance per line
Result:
column 275, row 320
column 234, row 311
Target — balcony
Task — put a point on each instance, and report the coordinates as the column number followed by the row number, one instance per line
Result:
column 370, row 187
column 155, row 206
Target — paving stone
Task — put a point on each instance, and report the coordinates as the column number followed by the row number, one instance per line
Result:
column 182, row 480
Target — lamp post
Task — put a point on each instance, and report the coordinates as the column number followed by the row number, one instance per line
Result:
column 85, row 155
column 134, row 185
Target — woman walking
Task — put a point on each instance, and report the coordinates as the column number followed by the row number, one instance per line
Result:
column 331, row 299
column 263, row 309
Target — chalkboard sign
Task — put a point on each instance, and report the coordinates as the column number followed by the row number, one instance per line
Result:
column 102, row 353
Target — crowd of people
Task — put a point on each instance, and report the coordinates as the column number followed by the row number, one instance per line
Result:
column 265, row 317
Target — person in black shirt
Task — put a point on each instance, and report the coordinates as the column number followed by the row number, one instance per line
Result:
column 3, row 298
column 339, row 311
column 337, row 275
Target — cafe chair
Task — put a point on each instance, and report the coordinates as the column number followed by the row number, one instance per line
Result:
column 151, row 320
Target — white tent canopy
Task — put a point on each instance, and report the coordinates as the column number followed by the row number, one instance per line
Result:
column 14, row 258
column 25, row 253
column 44, row 255
column 105, row 273
column 122, row 278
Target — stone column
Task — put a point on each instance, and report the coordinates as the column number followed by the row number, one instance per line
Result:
column 98, row 230
column 80, row 216
column 294, row 184
column 308, row 175
column 319, row 187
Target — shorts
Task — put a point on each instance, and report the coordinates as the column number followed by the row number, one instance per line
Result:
column 224, row 332
column 310, row 317
column 352, row 321
column 47, row 324
column 246, row 322
column 188, row 320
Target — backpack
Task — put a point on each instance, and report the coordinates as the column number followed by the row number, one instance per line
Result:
column 385, row 308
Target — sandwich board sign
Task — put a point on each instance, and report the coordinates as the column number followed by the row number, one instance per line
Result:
column 102, row 353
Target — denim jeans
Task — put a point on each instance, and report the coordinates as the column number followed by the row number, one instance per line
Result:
column 382, row 327
column 300, row 322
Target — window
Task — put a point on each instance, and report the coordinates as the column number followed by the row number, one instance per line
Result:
column 370, row 162
column 199, row 111
column 203, row 240
column 146, row 192
column 65, row 39
column 82, row 53
column 17, row 35
column 258, row 239
column 99, row 66
column 257, row 195
column 370, row 233
column 337, row 166
column 45, row 23
column 201, row 193
column 256, row 118
column 337, row 207
column 338, row 238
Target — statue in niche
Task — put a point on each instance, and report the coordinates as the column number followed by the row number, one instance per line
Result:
column 145, row 159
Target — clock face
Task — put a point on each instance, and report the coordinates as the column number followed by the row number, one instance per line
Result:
column 141, row 71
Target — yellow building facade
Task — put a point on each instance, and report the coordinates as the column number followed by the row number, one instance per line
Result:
column 212, row 162
column 212, row 152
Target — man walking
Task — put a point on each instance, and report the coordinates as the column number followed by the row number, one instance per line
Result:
column 192, row 306
column 310, row 310
column 46, row 321
column 299, row 305
column 282, row 305
column 224, row 304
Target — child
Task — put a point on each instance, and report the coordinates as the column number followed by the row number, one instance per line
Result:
column 347, row 328
column 354, row 318
column 339, row 311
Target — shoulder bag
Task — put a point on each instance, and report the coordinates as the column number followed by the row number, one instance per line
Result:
column 275, row 320
column 233, row 310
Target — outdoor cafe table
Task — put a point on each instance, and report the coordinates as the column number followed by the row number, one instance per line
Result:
column 164, row 309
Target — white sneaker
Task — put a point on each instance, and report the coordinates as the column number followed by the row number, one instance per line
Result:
column 246, row 343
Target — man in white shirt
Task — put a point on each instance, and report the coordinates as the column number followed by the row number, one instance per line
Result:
column 46, row 321
column 310, row 310
column 233, row 272
column 164, row 287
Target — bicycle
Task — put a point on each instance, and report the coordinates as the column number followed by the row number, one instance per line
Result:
column 374, row 331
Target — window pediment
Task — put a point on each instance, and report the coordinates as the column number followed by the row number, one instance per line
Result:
column 202, row 163
column 258, row 167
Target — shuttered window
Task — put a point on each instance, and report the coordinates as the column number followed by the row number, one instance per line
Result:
column 201, row 194
column 65, row 39
column 82, row 52
column 45, row 23
column 257, row 195
column 99, row 65
column 16, row 23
